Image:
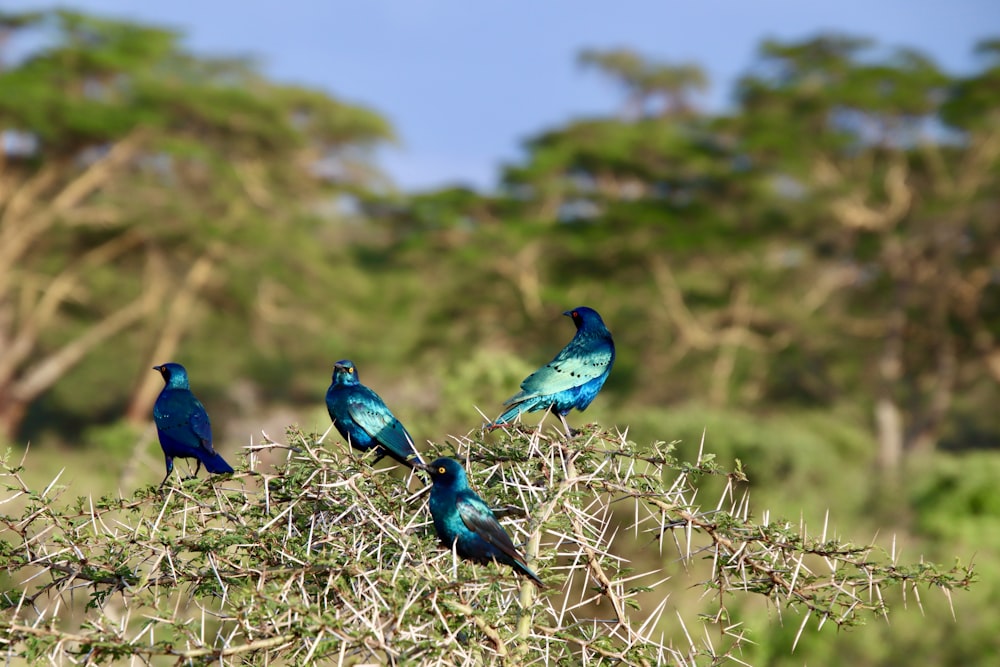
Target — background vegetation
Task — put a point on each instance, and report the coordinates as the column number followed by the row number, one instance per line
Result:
column 811, row 277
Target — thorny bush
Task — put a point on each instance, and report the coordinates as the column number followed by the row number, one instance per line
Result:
column 323, row 557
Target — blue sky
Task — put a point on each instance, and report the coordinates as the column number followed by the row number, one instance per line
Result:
column 464, row 83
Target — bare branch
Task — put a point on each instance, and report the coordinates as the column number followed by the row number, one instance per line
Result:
column 24, row 219
column 852, row 211
column 45, row 373
column 55, row 294
column 175, row 324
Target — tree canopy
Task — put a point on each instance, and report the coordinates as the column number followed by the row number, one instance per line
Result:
column 144, row 190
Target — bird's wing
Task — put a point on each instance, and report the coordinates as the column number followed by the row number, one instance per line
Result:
column 571, row 368
column 372, row 415
column 201, row 426
column 478, row 518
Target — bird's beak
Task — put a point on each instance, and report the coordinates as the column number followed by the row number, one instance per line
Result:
column 158, row 368
column 568, row 313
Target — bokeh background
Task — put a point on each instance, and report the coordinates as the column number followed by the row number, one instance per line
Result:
column 788, row 215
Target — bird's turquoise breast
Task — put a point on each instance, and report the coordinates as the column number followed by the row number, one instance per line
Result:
column 338, row 404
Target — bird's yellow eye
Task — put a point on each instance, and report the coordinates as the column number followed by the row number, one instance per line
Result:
column 350, row 370
column 440, row 470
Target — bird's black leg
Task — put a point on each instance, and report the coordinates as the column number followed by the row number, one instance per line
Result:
column 170, row 469
column 194, row 475
column 569, row 432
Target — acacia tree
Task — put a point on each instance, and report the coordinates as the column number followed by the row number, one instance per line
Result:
column 830, row 242
column 645, row 81
column 326, row 558
column 137, row 178
column 897, row 162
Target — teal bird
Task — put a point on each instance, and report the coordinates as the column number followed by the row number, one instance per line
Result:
column 182, row 424
column 462, row 519
column 573, row 378
column 364, row 420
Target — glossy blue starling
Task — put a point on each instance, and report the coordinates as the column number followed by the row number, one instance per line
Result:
column 182, row 424
column 364, row 420
column 573, row 378
column 462, row 519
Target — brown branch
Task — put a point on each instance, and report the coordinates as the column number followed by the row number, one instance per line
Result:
column 47, row 372
column 483, row 626
column 673, row 301
column 982, row 155
column 854, row 213
column 585, row 645
column 725, row 360
column 175, row 324
column 827, row 284
column 98, row 173
column 691, row 331
column 522, row 271
column 597, row 572
column 26, row 195
column 55, row 294
column 248, row 173
column 13, row 630
column 19, row 231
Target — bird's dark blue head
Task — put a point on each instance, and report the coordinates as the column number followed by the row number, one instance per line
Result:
column 174, row 375
column 448, row 473
column 345, row 373
column 586, row 318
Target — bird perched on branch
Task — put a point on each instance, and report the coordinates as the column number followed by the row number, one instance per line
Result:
column 182, row 424
column 464, row 521
column 364, row 420
column 573, row 378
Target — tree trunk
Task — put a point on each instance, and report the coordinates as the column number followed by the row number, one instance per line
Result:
column 888, row 416
column 12, row 412
column 889, row 426
column 924, row 436
column 175, row 324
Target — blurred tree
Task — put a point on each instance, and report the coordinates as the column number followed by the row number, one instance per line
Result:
column 138, row 180
column 646, row 82
column 830, row 242
column 895, row 170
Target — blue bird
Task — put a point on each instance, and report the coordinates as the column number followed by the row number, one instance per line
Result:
column 364, row 420
column 462, row 519
column 182, row 424
column 573, row 378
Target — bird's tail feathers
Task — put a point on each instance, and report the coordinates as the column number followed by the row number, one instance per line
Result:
column 216, row 464
column 530, row 574
column 408, row 459
column 413, row 460
column 511, row 413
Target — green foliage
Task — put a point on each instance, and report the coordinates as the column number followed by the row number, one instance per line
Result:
column 327, row 558
column 160, row 193
column 646, row 81
column 963, row 486
column 827, row 245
